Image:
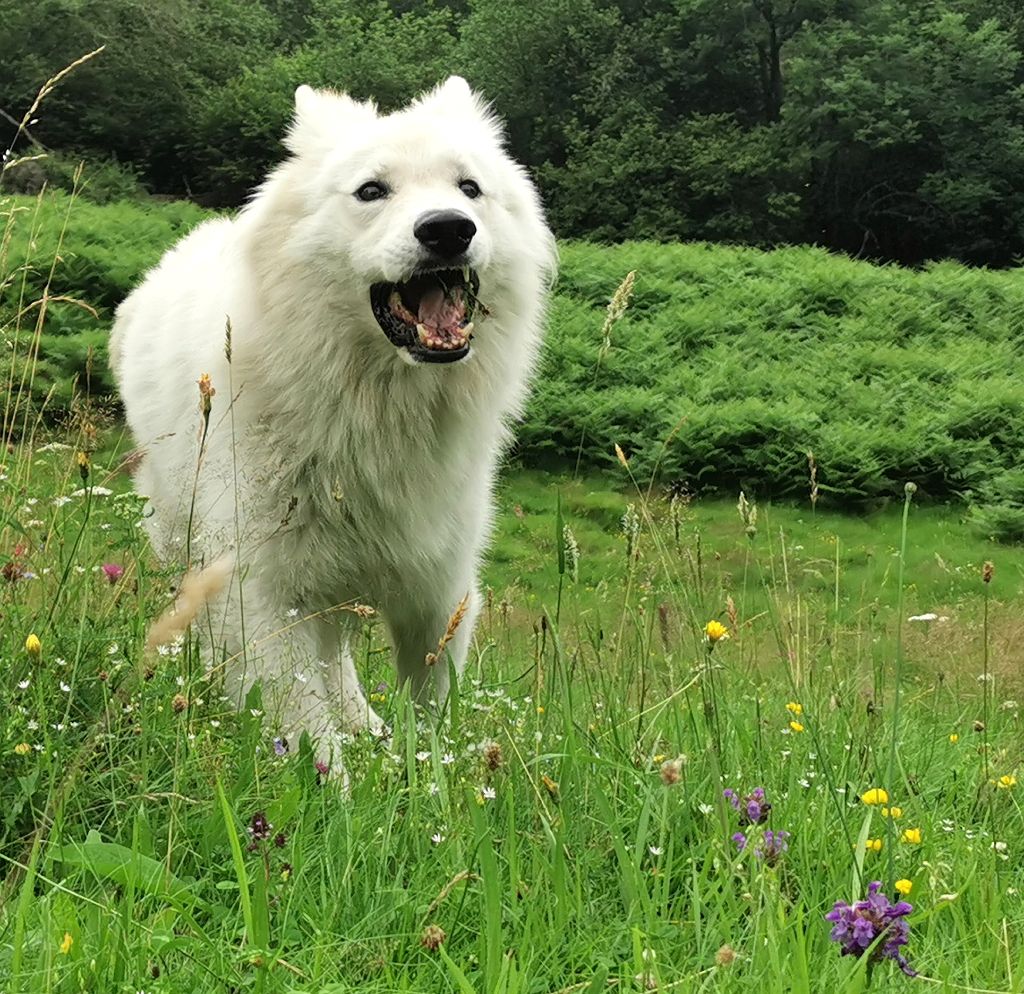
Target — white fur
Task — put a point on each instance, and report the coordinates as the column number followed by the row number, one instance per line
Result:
column 334, row 472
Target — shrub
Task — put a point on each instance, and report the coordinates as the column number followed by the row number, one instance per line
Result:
column 729, row 366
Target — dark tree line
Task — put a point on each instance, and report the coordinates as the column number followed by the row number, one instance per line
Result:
column 887, row 128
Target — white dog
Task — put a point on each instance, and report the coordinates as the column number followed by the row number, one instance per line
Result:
column 369, row 324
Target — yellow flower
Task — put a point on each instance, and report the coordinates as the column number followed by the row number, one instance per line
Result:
column 904, row 887
column 1006, row 781
column 912, row 835
column 66, row 943
column 873, row 845
column 954, row 738
column 32, row 645
column 715, row 631
column 794, row 708
column 892, row 813
column 875, row 796
column 23, row 748
column 659, row 758
column 540, row 709
column 796, row 726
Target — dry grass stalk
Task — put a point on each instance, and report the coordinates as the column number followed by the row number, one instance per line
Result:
column 449, row 633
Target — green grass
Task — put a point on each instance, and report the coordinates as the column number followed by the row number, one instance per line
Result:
column 124, row 827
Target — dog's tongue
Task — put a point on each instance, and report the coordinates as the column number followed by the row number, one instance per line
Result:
column 440, row 312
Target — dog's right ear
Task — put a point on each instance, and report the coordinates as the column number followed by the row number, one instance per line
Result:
column 322, row 117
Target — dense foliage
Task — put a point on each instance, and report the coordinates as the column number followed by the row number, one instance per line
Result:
column 891, row 128
column 730, row 365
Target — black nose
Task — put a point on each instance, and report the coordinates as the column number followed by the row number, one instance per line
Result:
column 446, row 233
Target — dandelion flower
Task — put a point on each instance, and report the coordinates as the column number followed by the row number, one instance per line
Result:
column 911, row 835
column 66, row 943
column 715, row 631
column 22, row 749
column 1006, row 782
column 32, row 645
column 794, row 708
column 795, row 726
column 904, row 887
column 875, row 796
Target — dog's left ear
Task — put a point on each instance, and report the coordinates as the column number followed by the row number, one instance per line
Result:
column 454, row 92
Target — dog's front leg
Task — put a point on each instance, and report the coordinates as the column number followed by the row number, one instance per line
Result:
column 417, row 632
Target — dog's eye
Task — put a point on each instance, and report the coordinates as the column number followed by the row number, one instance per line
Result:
column 372, row 191
column 470, row 188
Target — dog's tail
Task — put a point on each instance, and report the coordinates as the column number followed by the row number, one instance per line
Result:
column 198, row 588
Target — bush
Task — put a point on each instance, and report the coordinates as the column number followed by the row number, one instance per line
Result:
column 730, row 365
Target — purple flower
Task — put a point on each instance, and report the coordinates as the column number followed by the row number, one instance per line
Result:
column 322, row 768
column 259, row 830
column 280, row 747
column 857, row 926
column 772, row 846
column 753, row 808
column 112, row 572
column 741, row 841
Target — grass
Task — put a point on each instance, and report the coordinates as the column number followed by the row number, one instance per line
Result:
column 533, row 828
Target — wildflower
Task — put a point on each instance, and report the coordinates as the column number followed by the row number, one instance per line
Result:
column 795, row 726
column 32, row 645
column 954, row 738
column 873, row 845
column 893, row 813
column 655, row 850
column 83, row 466
column 753, row 808
column 259, row 829
column 1006, row 782
column 986, row 572
column 206, row 395
column 437, row 838
column 772, row 846
column 857, row 926
column 911, row 835
column 875, row 796
column 794, row 708
column 66, row 944
column 551, row 787
column 904, row 887
column 725, row 956
column 422, row 756
column 22, row 749
column 930, row 616
column 670, row 771
column 112, row 572
column 280, row 840
column 280, row 747
column 321, row 767
column 740, row 840
column 432, row 937
column 488, row 793
column 715, row 631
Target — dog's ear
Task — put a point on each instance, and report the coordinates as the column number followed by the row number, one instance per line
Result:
column 454, row 93
column 324, row 116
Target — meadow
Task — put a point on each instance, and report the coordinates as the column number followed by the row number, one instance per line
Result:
column 691, row 723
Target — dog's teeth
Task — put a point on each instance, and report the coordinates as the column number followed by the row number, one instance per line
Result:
column 467, row 331
column 421, row 330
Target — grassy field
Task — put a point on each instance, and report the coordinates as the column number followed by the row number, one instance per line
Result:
column 564, row 827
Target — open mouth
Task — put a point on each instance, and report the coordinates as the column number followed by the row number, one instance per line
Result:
column 430, row 314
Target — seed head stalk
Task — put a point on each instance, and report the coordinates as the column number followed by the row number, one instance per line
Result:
column 908, row 495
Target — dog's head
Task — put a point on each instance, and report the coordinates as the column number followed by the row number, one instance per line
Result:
column 422, row 212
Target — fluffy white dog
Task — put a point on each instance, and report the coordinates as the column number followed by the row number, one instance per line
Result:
column 369, row 324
